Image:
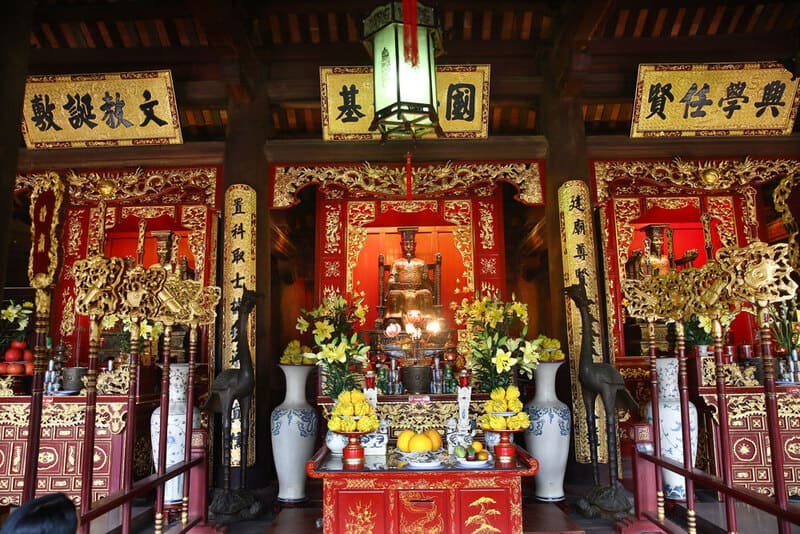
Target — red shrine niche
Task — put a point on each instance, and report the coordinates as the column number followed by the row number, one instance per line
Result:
column 657, row 215
column 456, row 210
column 170, row 211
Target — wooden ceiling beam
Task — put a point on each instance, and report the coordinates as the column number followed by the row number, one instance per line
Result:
column 716, row 48
column 111, row 11
column 199, row 63
column 491, row 149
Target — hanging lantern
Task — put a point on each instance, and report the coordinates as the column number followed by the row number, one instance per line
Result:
column 403, row 46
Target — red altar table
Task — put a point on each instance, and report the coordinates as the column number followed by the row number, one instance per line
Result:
column 381, row 498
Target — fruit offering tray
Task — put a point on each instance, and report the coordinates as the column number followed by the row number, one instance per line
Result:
column 428, row 461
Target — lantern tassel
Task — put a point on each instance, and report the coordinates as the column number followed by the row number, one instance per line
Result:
column 410, row 45
column 408, row 176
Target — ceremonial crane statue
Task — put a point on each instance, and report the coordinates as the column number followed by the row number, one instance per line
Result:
column 600, row 378
column 234, row 384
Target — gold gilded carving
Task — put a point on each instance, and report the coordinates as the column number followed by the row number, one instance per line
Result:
column 96, row 279
column 358, row 214
column 68, row 316
column 116, row 381
column 781, row 201
column 426, row 518
column 332, row 269
column 486, row 225
column 634, row 373
column 459, row 212
column 360, row 518
column 433, row 179
column 66, row 414
column 146, row 183
column 625, row 210
column 721, row 208
column 195, row 217
column 51, row 182
column 489, row 265
column 409, row 206
column 148, row 212
column 5, row 386
column 734, row 375
column 480, row 521
column 711, row 175
column 672, row 203
column 74, row 233
column 333, row 230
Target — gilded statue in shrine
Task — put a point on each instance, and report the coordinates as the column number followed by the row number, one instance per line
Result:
column 412, row 285
column 651, row 258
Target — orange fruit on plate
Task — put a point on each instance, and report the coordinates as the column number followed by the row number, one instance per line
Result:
column 436, row 438
column 403, row 438
column 478, row 446
column 482, row 455
column 420, row 443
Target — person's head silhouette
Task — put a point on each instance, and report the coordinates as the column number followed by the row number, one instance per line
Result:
column 49, row 514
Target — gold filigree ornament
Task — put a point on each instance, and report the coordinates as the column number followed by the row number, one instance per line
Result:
column 428, row 180
column 6, row 386
column 781, row 200
column 96, row 279
column 709, row 175
column 151, row 183
column 760, row 273
column 116, row 381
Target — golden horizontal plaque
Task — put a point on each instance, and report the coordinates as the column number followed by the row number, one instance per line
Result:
column 714, row 99
column 347, row 99
column 100, row 110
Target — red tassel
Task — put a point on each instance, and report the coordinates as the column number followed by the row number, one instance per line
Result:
column 410, row 45
column 408, row 176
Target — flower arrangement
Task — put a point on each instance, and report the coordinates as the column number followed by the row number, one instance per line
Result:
column 340, row 351
column 14, row 321
column 148, row 330
column 494, row 341
column 296, row 354
column 504, row 411
column 550, row 349
column 352, row 413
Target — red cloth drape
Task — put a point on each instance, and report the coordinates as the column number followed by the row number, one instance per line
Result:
column 410, row 45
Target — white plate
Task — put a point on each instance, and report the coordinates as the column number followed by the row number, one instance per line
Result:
column 504, row 414
column 472, row 464
column 414, row 454
column 432, row 464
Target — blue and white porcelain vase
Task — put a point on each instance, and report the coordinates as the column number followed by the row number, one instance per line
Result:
column 335, row 442
column 547, row 439
column 176, row 428
column 669, row 416
column 293, row 427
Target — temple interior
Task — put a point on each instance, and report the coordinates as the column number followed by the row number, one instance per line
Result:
column 380, row 267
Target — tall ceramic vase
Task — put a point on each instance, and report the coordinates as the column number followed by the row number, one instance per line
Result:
column 176, row 428
column 294, row 431
column 669, row 416
column 547, row 439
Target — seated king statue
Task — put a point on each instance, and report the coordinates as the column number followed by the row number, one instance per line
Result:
column 409, row 285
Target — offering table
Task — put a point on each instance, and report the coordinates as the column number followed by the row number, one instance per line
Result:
column 389, row 497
